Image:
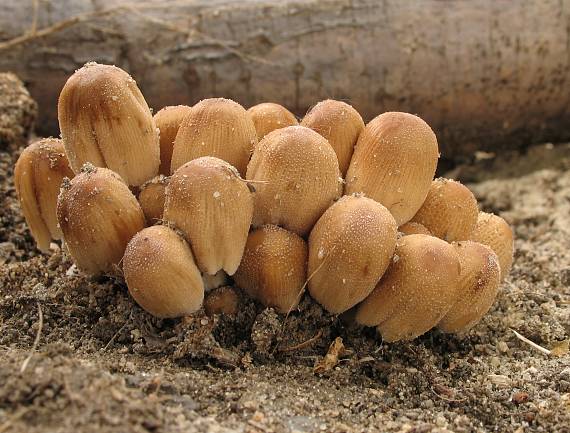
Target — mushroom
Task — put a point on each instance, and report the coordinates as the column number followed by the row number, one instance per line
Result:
column 495, row 232
column 478, row 286
column 161, row 274
column 413, row 228
column 105, row 120
column 223, row 300
column 208, row 201
column 269, row 116
column 418, row 289
column 152, row 197
column 394, row 162
column 449, row 210
column 168, row 121
column 350, row 248
column 98, row 216
column 274, row 267
column 340, row 124
column 215, row 127
column 38, row 175
column 296, row 177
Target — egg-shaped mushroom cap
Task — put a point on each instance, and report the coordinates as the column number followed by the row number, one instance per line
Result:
column 394, row 162
column 495, row 232
column 268, row 117
column 168, row 121
column 417, row 290
column 295, row 174
column 478, row 286
column 161, row 274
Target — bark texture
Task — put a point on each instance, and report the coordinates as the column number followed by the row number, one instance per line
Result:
column 485, row 74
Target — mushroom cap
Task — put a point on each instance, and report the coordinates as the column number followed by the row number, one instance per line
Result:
column 495, row 232
column 152, row 197
column 161, row 274
column 449, row 210
column 417, row 290
column 269, row 116
column 478, row 286
column 295, row 174
column 394, row 162
column 350, row 248
column 105, row 120
column 208, row 201
column 98, row 216
column 216, row 127
column 168, row 121
column 274, row 267
column 340, row 124
column 222, row 300
column 413, row 228
column 38, row 175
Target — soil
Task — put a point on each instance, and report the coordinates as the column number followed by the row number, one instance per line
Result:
column 101, row 364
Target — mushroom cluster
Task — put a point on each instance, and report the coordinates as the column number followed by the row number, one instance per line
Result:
column 205, row 200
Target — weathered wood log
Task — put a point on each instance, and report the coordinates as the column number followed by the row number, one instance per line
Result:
column 486, row 74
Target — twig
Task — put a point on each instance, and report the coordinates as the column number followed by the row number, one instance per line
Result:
column 116, row 334
column 531, row 343
column 36, row 341
column 304, row 343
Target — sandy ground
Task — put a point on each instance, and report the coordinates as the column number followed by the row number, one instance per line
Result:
column 104, row 365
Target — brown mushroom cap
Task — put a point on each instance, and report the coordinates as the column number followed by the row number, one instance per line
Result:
column 152, row 197
column 417, row 290
column 223, row 300
column 340, row 124
column 98, row 216
column 208, row 201
column 38, row 175
column 161, row 274
column 413, row 228
column 269, row 116
column 274, row 267
column 105, row 120
column 350, row 248
column 295, row 174
column 168, row 121
column 495, row 232
column 394, row 162
column 215, row 127
column 449, row 210
column 478, row 286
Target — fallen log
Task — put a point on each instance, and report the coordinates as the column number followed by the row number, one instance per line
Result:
column 486, row 74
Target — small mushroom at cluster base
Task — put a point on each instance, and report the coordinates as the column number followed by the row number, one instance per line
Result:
column 222, row 300
column 38, row 176
column 98, row 216
column 274, row 267
column 350, row 248
column 161, row 274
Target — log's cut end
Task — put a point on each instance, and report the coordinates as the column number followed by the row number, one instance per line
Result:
column 18, row 111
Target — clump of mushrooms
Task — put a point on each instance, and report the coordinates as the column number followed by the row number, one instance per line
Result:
column 189, row 208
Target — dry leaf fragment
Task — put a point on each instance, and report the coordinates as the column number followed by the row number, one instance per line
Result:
column 330, row 360
column 561, row 348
